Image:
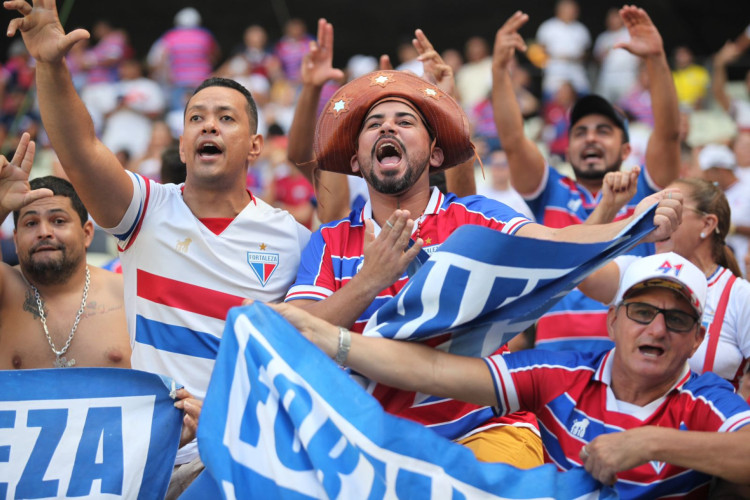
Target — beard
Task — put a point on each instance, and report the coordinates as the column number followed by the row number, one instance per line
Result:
column 49, row 271
column 391, row 183
column 594, row 175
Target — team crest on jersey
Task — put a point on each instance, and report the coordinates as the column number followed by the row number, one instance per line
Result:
column 657, row 466
column 263, row 265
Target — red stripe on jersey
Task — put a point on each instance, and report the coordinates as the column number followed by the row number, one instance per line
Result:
column 143, row 215
column 306, row 294
column 572, row 324
column 181, row 295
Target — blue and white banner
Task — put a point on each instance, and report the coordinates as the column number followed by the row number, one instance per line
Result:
column 486, row 287
column 86, row 433
column 281, row 420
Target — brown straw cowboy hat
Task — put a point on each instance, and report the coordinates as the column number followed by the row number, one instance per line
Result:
column 340, row 122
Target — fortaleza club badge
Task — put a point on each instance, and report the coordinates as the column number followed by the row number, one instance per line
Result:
column 263, row 265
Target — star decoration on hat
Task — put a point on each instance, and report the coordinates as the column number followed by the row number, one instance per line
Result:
column 381, row 79
column 430, row 92
column 340, row 105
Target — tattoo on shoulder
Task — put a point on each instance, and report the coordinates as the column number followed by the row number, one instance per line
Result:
column 30, row 306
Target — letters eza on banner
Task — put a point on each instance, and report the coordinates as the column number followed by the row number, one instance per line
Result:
column 86, row 433
column 281, row 420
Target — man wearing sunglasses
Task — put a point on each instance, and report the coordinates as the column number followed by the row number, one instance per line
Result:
column 634, row 416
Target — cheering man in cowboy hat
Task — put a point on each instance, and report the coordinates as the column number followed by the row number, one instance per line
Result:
column 393, row 129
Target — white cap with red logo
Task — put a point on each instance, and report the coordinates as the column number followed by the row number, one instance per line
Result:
column 666, row 270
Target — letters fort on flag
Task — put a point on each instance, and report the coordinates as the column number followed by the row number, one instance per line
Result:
column 486, row 287
column 86, row 433
column 282, row 421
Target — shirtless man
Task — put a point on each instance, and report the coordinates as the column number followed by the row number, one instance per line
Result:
column 55, row 311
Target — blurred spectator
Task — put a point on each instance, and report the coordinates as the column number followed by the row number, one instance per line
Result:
column 739, row 107
column 407, row 58
column 474, row 78
column 618, row 68
column 718, row 165
column 557, row 121
column 453, row 58
column 173, row 169
column 134, row 102
column 690, row 79
column 565, row 41
column 292, row 48
column 636, row 103
column 498, row 187
column 149, row 164
column 741, row 149
column 16, row 82
column 184, row 56
column 252, row 58
column 112, row 47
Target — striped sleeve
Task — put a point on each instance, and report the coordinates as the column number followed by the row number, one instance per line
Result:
column 315, row 277
column 127, row 230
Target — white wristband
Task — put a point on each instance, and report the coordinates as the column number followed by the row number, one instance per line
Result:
column 345, row 343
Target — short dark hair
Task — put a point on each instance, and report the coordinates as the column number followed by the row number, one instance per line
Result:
column 252, row 108
column 60, row 187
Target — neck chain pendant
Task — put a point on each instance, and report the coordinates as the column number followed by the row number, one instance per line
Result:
column 62, row 362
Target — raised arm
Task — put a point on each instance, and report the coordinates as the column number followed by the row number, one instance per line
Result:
column 460, row 179
column 663, row 150
column 331, row 189
column 721, row 454
column 527, row 165
column 98, row 177
column 666, row 219
column 728, row 53
column 409, row 366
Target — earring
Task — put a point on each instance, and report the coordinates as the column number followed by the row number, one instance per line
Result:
column 703, row 235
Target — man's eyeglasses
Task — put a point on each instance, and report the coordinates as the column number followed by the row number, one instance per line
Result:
column 674, row 319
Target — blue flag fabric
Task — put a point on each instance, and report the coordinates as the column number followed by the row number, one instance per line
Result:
column 486, row 287
column 282, row 421
column 86, row 433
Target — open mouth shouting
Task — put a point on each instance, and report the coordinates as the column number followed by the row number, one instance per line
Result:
column 388, row 152
column 208, row 150
column 651, row 351
column 592, row 154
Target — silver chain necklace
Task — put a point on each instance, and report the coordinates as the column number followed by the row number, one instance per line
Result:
column 60, row 360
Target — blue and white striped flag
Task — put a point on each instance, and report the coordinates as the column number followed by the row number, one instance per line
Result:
column 282, row 421
column 86, row 433
column 486, row 287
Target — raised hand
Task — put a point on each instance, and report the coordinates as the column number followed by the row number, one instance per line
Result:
column 41, row 30
column 387, row 256
column 507, row 41
column 317, row 65
column 15, row 191
column 645, row 40
column 668, row 213
column 619, row 188
column 435, row 69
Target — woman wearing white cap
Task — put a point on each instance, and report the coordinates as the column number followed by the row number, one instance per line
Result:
column 701, row 238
